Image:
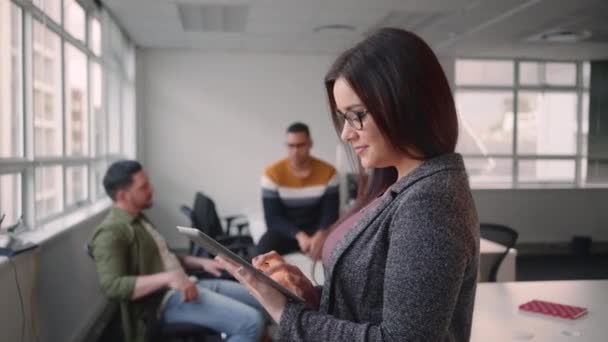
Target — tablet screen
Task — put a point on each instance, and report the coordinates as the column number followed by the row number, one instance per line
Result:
column 214, row 247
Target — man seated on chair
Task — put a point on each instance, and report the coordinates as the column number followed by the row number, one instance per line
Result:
column 135, row 266
column 300, row 198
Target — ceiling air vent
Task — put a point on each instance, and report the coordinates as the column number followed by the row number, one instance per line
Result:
column 561, row 36
column 213, row 17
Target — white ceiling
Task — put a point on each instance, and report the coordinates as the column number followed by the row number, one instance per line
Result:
column 452, row 27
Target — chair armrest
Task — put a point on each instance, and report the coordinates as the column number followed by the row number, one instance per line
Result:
column 232, row 219
column 186, row 210
column 240, row 227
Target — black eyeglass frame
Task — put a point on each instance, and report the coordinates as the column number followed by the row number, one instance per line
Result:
column 353, row 117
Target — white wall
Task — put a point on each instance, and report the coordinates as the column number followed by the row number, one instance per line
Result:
column 212, row 122
column 67, row 299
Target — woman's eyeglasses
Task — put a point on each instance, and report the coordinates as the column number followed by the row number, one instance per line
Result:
column 354, row 118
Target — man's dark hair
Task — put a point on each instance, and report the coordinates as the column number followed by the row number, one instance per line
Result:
column 298, row 127
column 120, row 176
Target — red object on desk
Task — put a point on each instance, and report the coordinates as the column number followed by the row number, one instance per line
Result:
column 554, row 309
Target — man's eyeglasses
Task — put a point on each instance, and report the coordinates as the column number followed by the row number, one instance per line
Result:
column 354, row 119
column 297, row 145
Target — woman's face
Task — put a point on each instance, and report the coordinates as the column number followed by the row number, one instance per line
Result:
column 373, row 149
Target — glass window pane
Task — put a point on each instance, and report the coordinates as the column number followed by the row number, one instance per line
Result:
column 11, row 81
column 75, row 18
column 48, row 193
column 586, row 74
column 539, row 171
column 540, row 73
column 10, row 198
column 46, row 85
column 129, row 62
column 52, row 8
column 546, row 123
column 482, row 72
column 596, row 172
column 114, row 40
column 99, row 171
column 114, row 115
column 561, row 74
column 76, row 186
column 489, row 171
column 99, row 116
column 530, row 73
column 486, row 122
column 76, row 95
column 95, row 39
column 585, row 123
column 128, row 120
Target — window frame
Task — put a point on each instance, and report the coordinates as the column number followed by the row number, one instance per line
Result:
column 110, row 66
column 579, row 157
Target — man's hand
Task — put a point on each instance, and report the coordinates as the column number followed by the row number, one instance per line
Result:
column 303, row 242
column 211, row 266
column 205, row 264
column 316, row 244
column 179, row 280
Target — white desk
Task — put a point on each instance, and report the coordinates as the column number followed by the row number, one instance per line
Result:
column 489, row 251
column 497, row 318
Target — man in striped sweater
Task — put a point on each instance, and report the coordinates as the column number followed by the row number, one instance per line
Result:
column 300, row 197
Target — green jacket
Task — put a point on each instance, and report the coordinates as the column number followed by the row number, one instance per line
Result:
column 123, row 250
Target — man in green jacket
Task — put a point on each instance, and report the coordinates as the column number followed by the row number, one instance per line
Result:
column 135, row 267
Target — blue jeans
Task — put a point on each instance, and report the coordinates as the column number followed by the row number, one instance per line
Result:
column 224, row 306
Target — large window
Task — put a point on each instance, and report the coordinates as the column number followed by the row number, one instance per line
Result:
column 523, row 123
column 57, row 72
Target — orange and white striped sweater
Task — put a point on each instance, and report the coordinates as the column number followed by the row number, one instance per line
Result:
column 293, row 204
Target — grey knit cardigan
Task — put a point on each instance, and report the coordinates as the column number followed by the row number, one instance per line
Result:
column 406, row 271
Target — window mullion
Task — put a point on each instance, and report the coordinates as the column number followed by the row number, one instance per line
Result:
column 578, row 176
column 28, row 186
column 515, row 165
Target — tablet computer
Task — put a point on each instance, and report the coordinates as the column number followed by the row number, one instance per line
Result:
column 214, row 247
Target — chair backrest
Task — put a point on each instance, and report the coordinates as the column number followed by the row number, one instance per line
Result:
column 205, row 217
column 502, row 235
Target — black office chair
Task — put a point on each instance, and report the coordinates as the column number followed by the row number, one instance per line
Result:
column 159, row 331
column 203, row 216
column 502, row 235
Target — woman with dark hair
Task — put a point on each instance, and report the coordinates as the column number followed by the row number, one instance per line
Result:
column 402, row 264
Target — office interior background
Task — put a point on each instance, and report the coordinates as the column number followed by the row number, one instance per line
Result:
column 201, row 93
